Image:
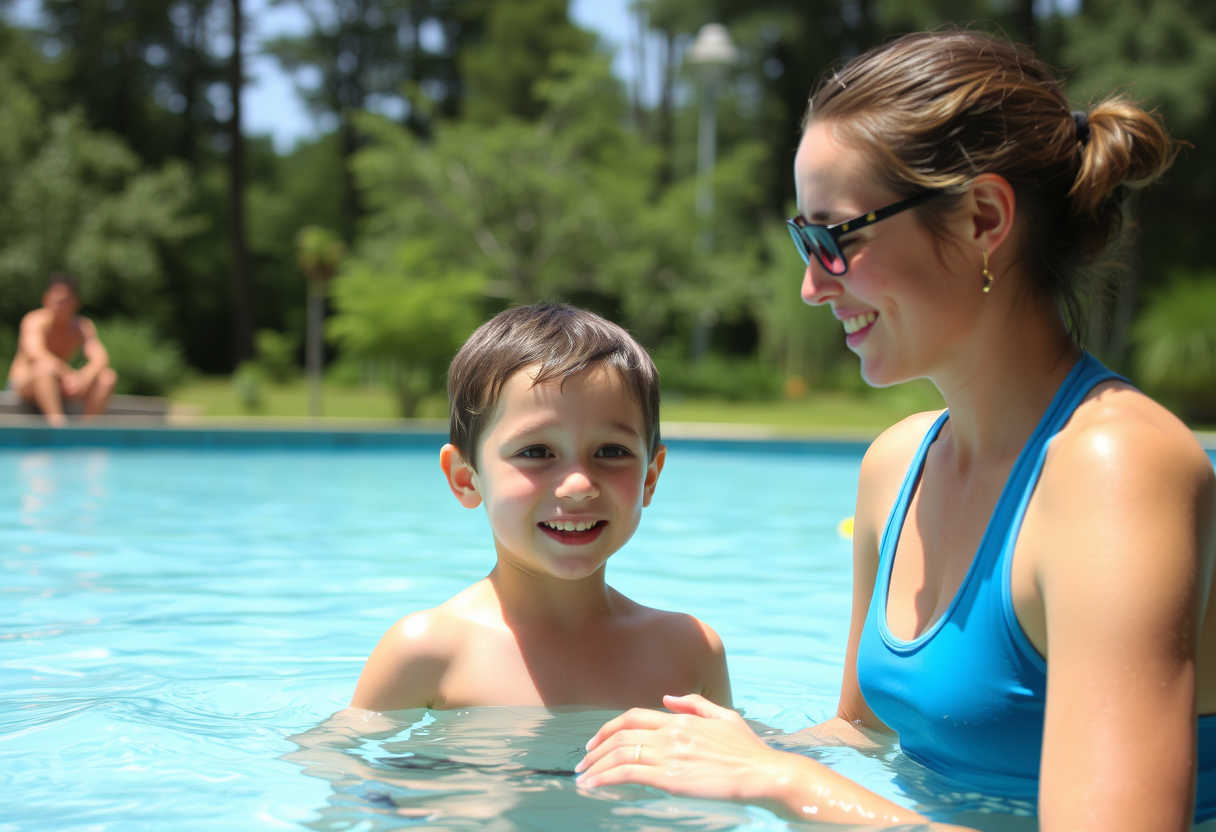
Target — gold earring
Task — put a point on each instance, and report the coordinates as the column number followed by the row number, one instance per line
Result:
column 987, row 274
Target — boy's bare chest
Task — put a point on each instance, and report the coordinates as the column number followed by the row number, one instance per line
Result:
column 605, row 671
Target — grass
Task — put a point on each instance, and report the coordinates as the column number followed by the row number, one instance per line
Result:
column 218, row 397
column 826, row 409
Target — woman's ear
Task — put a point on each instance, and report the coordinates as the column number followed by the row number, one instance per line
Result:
column 652, row 474
column 992, row 211
column 462, row 479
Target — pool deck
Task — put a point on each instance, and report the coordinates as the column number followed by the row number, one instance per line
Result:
column 128, row 432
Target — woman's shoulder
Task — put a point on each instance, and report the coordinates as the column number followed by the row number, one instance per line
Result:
column 893, row 451
column 1125, row 476
column 1119, row 430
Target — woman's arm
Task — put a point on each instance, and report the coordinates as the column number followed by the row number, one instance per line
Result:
column 706, row 751
column 1120, row 534
column 702, row 750
column 882, row 473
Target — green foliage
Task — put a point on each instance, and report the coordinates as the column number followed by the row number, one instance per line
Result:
column 521, row 39
column 564, row 207
column 276, row 355
column 247, row 384
column 1176, row 345
column 805, row 342
column 147, row 365
column 719, row 377
column 74, row 199
column 319, row 252
column 411, row 310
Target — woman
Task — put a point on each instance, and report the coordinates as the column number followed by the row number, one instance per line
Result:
column 1052, row 517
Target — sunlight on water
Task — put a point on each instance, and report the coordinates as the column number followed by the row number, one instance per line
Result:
column 179, row 625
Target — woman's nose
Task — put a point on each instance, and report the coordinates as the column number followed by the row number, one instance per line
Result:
column 818, row 286
column 577, row 485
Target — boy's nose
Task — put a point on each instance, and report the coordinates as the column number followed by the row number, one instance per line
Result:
column 577, row 485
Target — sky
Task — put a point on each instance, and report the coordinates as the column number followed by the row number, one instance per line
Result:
column 272, row 105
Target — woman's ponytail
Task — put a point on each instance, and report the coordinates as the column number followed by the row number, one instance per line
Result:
column 1126, row 147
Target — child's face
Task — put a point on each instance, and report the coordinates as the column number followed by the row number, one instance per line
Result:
column 556, row 459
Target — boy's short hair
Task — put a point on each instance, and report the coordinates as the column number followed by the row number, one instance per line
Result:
column 563, row 342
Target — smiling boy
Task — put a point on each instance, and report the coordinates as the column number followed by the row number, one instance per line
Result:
column 554, row 429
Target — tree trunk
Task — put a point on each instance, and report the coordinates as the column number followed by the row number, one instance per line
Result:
column 1024, row 16
column 243, row 323
column 314, row 357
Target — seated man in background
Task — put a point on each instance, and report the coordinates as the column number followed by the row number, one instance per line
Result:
column 51, row 337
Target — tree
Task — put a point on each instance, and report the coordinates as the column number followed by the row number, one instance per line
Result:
column 501, row 68
column 77, row 200
column 394, row 56
column 1163, row 54
column 243, row 315
column 563, row 207
column 141, row 68
column 320, row 253
column 410, row 310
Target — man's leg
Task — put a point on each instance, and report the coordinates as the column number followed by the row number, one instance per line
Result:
column 42, row 385
column 97, row 398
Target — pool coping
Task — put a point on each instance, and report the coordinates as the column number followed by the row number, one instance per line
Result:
column 31, row 432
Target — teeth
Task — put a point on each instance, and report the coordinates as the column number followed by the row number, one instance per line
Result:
column 571, row 525
column 859, row 322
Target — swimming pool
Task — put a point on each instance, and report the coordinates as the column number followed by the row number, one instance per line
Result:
column 173, row 617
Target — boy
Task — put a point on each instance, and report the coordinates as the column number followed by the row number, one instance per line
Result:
column 554, row 429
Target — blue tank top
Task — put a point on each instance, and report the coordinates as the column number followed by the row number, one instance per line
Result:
column 967, row 696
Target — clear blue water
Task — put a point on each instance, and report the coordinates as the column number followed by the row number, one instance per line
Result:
column 170, row 620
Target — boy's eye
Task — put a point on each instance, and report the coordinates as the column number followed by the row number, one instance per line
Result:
column 535, row 452
column 613, row 452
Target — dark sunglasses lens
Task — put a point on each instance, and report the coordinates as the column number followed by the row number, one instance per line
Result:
column 825, row 249
column 799, row 242
column 813, row 240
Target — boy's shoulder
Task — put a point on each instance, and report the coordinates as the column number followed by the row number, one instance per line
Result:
column 681, row 640
column 677, row 628
column 407, row 667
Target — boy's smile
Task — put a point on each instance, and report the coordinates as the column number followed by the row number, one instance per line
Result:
column 563, row 473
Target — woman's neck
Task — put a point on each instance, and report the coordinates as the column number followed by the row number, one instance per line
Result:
column 998, row 388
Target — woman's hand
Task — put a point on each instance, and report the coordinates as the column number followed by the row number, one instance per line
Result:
column 698, row 750
column 706, row 751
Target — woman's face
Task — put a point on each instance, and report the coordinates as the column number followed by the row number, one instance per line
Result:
column 903, row 306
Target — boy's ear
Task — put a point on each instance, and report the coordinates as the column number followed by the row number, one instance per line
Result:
column 462, row 479
column 652, row 474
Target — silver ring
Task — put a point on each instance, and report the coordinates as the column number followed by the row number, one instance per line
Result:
column 637, row 754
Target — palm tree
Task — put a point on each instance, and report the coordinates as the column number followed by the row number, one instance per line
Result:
column 320, row 253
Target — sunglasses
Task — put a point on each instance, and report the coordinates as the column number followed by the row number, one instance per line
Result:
column 823, row 241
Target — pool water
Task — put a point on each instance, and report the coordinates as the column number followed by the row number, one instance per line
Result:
column 179, row 625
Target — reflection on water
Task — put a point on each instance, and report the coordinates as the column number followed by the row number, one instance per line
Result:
column 495, row 769
column 507, row 769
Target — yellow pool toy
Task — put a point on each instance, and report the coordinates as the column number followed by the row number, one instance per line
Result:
column 845, row 528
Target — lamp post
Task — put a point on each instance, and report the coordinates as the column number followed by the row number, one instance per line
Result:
column 711, row 56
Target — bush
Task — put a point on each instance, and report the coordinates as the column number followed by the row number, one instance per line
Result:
column 147, row 365
column 247, row 385
column 720, row 377
column 1176, row 346
column 277, row 355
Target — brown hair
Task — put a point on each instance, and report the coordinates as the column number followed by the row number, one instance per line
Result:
column 937, row 109
column 63, row 279
column 562, row 342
